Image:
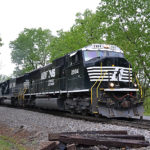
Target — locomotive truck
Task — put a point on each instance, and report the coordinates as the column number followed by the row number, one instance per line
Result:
column 96, row 79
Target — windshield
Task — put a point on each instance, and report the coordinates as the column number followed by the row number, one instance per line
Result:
column 93, row 54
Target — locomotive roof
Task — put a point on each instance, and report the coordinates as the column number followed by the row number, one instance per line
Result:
column 104, row 47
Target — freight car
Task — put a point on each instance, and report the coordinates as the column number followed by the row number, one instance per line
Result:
column 96, row 79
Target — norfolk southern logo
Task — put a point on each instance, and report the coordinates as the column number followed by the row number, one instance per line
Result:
column 117, row 74
column 48, row 74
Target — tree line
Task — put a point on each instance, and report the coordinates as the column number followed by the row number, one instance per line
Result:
column 124, row 23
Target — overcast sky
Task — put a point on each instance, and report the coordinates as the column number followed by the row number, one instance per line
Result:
column 15, row 15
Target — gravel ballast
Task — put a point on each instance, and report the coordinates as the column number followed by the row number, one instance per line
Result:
column 46, row 123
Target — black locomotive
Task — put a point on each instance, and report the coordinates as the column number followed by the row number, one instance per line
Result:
column 95, row 79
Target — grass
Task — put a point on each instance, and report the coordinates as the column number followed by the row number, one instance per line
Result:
column 7, row 143
column 147, row 107
column 147, row 104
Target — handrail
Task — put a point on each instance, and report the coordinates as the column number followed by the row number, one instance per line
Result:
column 99, row 79
column 100, row 83
column 24, row 91
column 19, row 95
column 95, row 83
column 139, row 86
column 93, row 86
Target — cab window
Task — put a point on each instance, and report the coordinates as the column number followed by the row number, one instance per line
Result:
column 88, row 55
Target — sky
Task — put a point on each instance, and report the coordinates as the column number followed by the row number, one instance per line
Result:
column 15, row 15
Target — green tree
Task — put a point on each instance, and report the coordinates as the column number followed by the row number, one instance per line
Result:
column 85, row 31
column 126, row 24
column 90, row 24
column 65, row 42
column 0, row 42
column 30, row 50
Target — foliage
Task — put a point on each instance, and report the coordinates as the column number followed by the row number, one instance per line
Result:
column 0, row 42
column 30, row 50
column 84, row 32
column 147, row 106
column 127, row 26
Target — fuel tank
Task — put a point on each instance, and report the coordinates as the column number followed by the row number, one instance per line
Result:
column 49, row 103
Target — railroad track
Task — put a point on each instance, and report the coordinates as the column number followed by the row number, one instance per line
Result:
column 136, row 123
column 131, row 122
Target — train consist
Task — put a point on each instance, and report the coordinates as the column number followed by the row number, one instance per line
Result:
column 96, row 79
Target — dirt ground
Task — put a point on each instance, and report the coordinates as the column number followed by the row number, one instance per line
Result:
column 24, row 139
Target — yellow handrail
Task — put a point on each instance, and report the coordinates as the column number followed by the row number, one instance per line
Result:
column 24, row 91
column 139, row 86
column 19, row 94
column 96, row 82
column 100, row 83
column 93, row 86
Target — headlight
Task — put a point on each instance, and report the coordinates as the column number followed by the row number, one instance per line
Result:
column 111, row 84
column 135, row 85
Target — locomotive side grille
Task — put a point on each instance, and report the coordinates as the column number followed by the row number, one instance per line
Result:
column 111, row 73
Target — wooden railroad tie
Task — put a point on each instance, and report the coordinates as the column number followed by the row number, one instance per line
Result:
column 101, row 139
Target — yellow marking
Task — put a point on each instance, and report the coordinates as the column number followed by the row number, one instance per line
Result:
column 24, row 93
column 95, row 112
column 101, row 79
column 93, row 86
column 19, row 94
column 139, row 86
column 95, row 83
column 100, row 83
